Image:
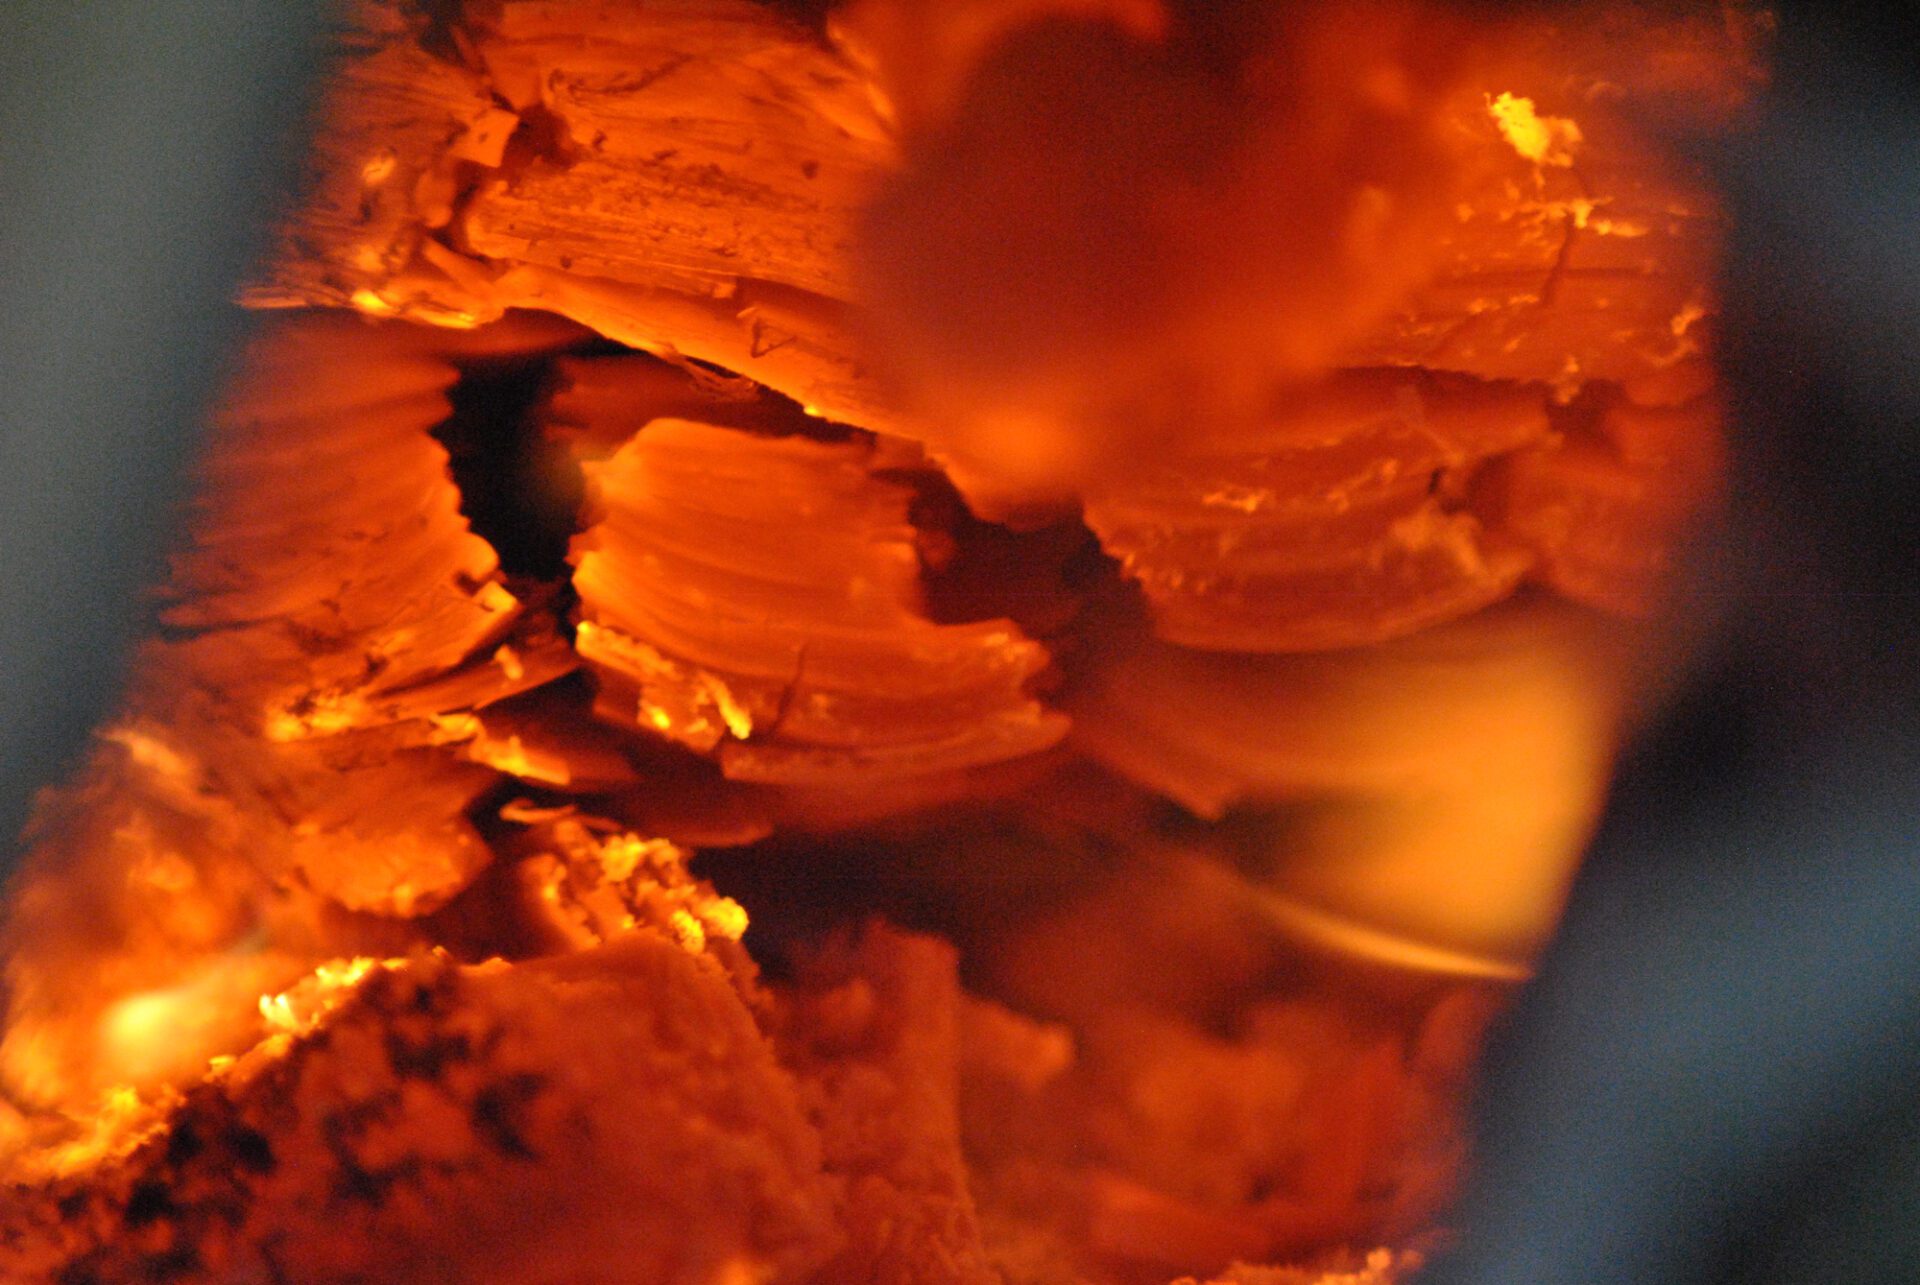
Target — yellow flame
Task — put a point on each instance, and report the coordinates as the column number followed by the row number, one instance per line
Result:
column 724, row 917
column 732, row 712
column 301, row 1007
column 512, row 756
column 122, row 1121
column 157, row 1035
column 493, row 596
column 369, row 301
column 379, row 169
column 691, row 932
column 320, row 714
column 139, row 1023
column 1683, row 320
column 1365, row 941
column 621, row 855
column 455, row 728
column 1544, row 140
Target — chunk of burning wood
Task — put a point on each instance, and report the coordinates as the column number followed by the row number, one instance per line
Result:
column 326, row 573
column 605, row 1116
column 636, row 1107
column 686, row 178
column 872, row 1032
column 689, row 145
column 757, row 598
column 1608, row 508
column 682, row 178
column 1110, row 241
column 1082, row 261
column 289, row 744
column 1582, row 244
column 328, row 587
column 1345, row 523
column 1054, row 315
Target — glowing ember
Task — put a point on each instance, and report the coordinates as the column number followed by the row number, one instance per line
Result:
column 1544, row 140
column 791, row 663
column 303, row 1007
column 1157, row 506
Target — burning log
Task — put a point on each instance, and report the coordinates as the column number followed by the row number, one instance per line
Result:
column 1608, row 506
column 691, row 146
column 710, row 627
column 1503, row 218
column 620, row 1101
column 1578, row 249
column 1345, row 525
column 325, row 527
column 1321, row 341
column 288, row 748
column 615, row 191
column 1522, row 230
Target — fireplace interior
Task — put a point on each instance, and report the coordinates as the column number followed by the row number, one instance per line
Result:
column 964, row 642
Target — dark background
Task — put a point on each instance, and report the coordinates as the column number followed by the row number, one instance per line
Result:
column 140, row 142
column 1717, row 1075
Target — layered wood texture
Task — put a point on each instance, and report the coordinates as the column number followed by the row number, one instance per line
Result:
column 580, row 158
column 291, row 741
column 758, row 598
column 329, row 601
column 1346, row 524
column 1580, row 251
column 1051, row 470
column 680, row 177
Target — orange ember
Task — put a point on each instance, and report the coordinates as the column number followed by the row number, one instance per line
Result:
column 965, row 643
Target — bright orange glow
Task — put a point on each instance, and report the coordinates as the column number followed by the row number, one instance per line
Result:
column 1169, row 530
column 1544, row 140
column 1450, row 778
column 121, row 1121
column 369, row 301
column 380, row 168
column 303, row 1006
column 156, row 1036
column 1357, row 939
